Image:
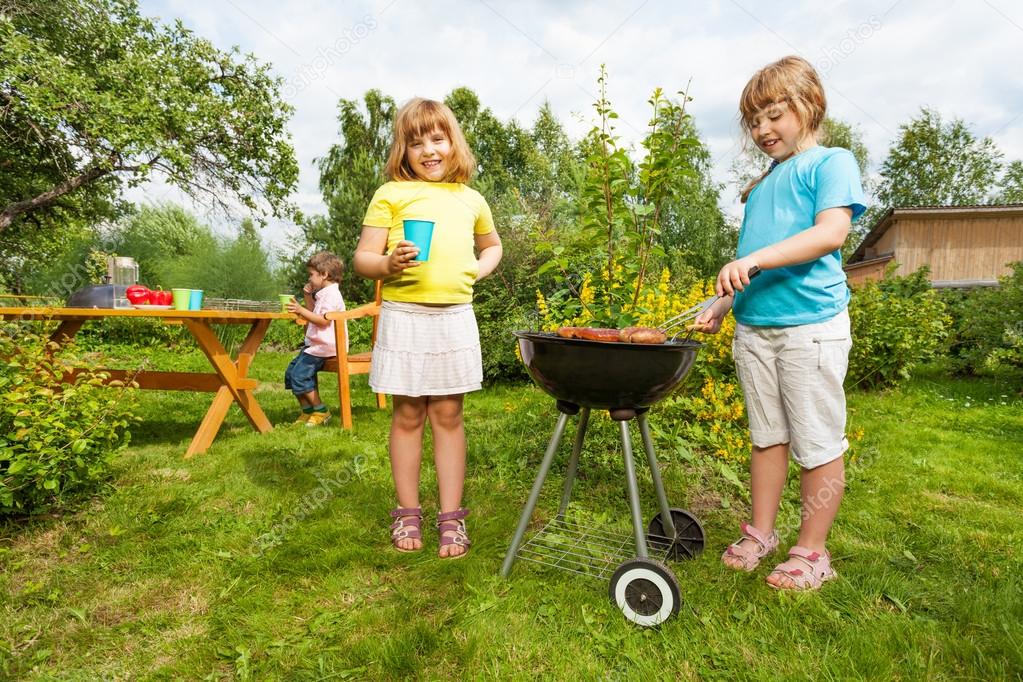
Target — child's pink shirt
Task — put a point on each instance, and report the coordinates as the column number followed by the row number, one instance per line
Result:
column 319, row 341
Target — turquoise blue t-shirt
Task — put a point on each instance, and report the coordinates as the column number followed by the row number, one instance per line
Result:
column 785, row 203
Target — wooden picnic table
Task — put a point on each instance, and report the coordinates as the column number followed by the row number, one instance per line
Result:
column 229, row 380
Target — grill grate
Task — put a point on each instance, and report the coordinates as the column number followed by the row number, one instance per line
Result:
column 593, row 552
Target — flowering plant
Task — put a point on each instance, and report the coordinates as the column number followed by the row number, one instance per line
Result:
column 621, row 207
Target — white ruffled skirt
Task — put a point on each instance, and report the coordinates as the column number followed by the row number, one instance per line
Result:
column 426, row 350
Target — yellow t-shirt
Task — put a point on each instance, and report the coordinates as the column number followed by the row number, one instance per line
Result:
column 458, row 213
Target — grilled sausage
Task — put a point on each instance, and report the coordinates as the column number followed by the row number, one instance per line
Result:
column 597, row 334
column 642, row 335
column 647, row 335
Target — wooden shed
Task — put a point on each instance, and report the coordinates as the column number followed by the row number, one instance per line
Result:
column 965, row 246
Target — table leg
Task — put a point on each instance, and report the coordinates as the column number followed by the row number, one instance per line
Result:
column 246, row 354
column 66, row 331
column 230, row 372
column 210, row 425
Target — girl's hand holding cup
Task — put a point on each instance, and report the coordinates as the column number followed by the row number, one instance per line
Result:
column 401, row 258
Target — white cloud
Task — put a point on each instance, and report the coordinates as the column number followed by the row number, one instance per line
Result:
column 881, row 59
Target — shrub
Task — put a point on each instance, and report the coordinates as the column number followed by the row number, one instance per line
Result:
column 497, row 319
column 708, row 412
column 988, row 326
column 897, row 323
column 56, row 440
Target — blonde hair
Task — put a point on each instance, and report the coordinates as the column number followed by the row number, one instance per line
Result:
column 791, row 80
column 419, row 117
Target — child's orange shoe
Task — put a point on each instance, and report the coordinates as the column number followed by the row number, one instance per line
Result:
column 303, row 418
column 318, row 418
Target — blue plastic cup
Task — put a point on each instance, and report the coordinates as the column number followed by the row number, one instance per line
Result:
column 420, row 233
column 195, row 299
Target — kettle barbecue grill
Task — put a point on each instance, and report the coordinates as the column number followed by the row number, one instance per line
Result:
column 625, row 379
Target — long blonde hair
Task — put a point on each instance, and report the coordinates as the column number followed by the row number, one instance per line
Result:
column 419, row 117
column 791, row 80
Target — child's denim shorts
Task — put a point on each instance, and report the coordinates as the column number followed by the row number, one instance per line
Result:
column 300, row 377
column 792, row 379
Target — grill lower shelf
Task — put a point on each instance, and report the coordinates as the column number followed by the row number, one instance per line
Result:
column 593, row 552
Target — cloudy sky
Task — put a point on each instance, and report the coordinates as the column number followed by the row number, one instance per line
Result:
column 881, row 60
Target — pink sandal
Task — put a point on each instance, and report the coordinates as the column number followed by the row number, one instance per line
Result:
column 750, row 557
column 452, row 522
column 807, row 570
column 406, row 528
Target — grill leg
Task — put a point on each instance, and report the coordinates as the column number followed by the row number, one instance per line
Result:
column 534, row 494
column 633, row 485
column 655, row 474
column 573, row 463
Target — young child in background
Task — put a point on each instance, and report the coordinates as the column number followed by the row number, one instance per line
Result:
column 321, row 295
column 792, row 340
column 427, row 353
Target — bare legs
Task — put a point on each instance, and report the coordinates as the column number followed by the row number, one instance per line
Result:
column 406, row 454
column 768, row 469
column 445, row 415
column 310, row 399
column 821, row 491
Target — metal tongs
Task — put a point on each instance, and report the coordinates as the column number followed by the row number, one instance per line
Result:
column 680, row 321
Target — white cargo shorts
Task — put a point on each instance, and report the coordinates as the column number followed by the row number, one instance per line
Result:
column 792, row 379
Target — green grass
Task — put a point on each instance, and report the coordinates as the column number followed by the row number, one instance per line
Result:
column 267, row 558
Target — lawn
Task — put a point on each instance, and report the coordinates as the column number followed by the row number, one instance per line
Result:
column 267, row 557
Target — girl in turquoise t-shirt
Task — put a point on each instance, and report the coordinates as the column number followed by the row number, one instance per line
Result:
column 792, row 339
column 427, row 354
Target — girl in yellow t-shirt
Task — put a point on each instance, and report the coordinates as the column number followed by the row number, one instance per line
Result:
column 427, row 353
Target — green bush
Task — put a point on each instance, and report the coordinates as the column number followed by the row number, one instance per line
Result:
column 987, row 331
column 897, row 324
column 131, row 331
column 497, row 319
column 506, row 300
column 56, row 440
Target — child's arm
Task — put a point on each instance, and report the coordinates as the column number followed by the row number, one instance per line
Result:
column 490, row 250
column 371, row 262
column 827, row 234
column 295, row 308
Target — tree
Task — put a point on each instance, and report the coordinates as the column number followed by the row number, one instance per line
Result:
column 695, row 234
column 934, row 163
column 1011, row 185
column 93, row 96
column 158, row 237
column 350, row 173
column 835, row 132
column 174, row 249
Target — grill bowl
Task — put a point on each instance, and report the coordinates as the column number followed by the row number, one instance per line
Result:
column 604, row 375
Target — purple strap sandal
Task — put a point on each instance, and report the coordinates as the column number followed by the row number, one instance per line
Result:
column 806, row 569
column 749, row 557
column 406, row 528
column 452, row 524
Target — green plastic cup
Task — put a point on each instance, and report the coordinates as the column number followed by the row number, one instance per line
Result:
column 285, row 300
column 181, row 298
column 420, row 233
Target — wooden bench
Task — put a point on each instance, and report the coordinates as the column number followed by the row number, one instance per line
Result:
column 345, row 364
